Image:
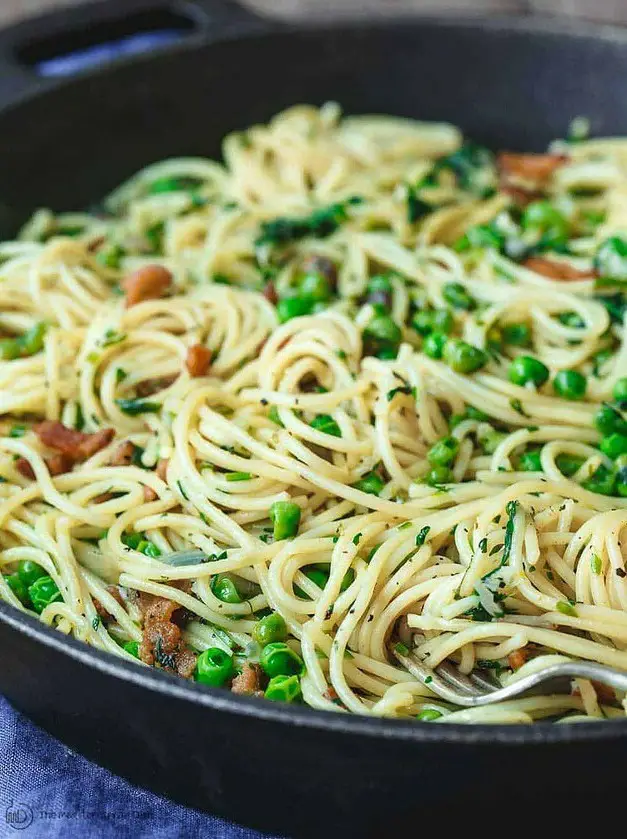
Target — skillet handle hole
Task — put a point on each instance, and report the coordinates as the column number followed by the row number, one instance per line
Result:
column 67, row 52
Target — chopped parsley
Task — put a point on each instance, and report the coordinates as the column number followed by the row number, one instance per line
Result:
column 135, row 407
column 421, row 537
column 111, row 337
column 408, row 391
column 237, row 476
column 566, row 608
column 319, row 224
column 517, row 405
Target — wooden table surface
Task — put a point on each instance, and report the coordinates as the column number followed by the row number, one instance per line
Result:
column 599, row 9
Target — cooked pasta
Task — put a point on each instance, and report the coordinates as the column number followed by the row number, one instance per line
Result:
column 361, row 385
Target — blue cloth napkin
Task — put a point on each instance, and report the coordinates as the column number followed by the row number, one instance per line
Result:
column 49, row 792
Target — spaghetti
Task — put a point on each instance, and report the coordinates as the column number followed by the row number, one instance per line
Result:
column 363, row 384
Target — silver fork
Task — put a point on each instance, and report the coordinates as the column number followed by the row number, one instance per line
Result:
column 475, row 690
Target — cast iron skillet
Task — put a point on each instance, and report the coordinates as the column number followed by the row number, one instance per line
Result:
column 509, row 83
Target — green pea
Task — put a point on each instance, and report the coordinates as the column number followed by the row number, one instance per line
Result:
column 269, row 629
column 620, row 390
column 370, row 483
column 148, row 548
column 131, row 540
column 569, row 464
column 318, row 576
column 315, row 286
column 111, row 256
column 485, row 236
column 382, row 337
column 490, row 440
column 423, row 322
column 225, row 589
column 380, row 292
column 439, row 475
column 470, row 413
column 463, row 357
column 570, row 384
column 474, row 413
column 10, row 349
column 283, row 689
column 136, row 542
column 387, row 354
column 285, row 516
column 444, row 452
column 43, row 592
column 438, row 320
column 517, row 334
column 602, row 481
column 614, row 446
column 16, row 584
column 443, row 321
column 132, row 648
column 380, row 282
column 547, row 222
column 526, row 368
column 214, row 667
column 294, row 307
column 481, row 236
column 608, row 420
column 456, row 296
column 530, row 462
column 434, row 345
column 326, row 424
column 29, row 572
column 610, row 261
column 621, row 476
column 25, row 345
column 278, row 659
column 154, row 237
column 428, row 715
column 571, row 319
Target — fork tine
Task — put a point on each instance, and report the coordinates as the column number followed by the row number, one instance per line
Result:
column 459, row 680
column 480, row 680
column 435, row 682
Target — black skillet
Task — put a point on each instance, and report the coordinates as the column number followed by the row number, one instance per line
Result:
column 64, row 143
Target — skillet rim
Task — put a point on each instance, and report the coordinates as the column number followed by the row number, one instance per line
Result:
column 256, row 26
column 218, row 700
column 170, row 686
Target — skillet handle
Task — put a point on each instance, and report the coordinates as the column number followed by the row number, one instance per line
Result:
column 37, row 52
